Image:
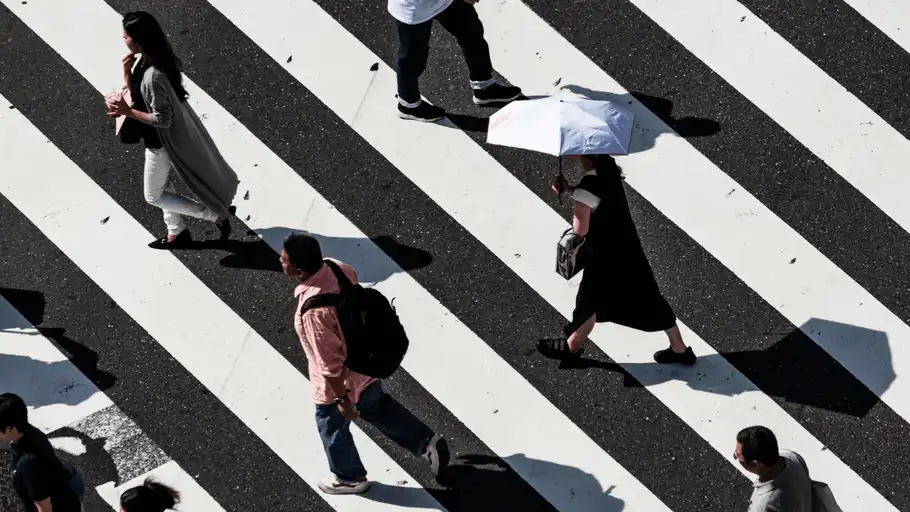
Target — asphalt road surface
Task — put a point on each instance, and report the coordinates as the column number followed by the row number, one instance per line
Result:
column 766, row 177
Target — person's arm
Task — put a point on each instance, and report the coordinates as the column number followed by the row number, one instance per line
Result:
column 581, row 218
column 155, row 93
column 34, row 473
column 161, row 112
column 584, row 202
column 329, row 352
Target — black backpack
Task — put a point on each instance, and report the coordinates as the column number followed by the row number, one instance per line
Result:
column 376, row 341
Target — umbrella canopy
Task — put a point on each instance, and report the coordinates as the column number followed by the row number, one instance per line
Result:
column 563, row 124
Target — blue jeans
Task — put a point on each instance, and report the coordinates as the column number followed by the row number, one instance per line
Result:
column 384, row 413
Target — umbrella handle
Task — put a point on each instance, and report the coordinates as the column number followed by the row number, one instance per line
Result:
column 559, row 187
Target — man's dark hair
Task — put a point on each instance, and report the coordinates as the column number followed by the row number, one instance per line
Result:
column 304, row 251
column 13, row 412
column 759, row 445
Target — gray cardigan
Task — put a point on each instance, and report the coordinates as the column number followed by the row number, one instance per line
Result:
column 192, row 150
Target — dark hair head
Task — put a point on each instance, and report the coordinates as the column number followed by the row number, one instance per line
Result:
column 145, row 31
column 304, row 252
column 759, row 445
column 13, row 412
column 149, row 497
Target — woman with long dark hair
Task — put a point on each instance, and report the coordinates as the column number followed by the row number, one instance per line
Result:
column 151, row 496
column 617, row 284
column 174, row 136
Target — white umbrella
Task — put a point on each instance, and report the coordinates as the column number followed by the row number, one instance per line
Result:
column 563, row 124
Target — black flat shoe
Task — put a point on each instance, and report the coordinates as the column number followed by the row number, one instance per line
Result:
column 181, row 241
column 667, row 356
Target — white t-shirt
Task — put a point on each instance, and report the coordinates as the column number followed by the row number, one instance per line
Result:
column 413, row 12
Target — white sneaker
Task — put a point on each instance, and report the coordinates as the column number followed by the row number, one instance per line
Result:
column 335, row 485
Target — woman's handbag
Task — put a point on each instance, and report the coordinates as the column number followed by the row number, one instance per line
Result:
column 572, row 253
column 127, row 129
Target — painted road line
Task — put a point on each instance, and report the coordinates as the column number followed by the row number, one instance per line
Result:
column 494, row 385
column 892, row 17
column 56, row 392
column 226, row 355
column 798, row 95
column 193, row 497
column 444, row 165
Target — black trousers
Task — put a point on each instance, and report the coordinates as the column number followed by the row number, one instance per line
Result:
column 459, row 19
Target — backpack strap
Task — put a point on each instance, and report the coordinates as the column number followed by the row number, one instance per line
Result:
column 343, row 282
column 328, row 300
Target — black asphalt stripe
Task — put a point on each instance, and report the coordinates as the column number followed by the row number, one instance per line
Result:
column 849, row 48
column 374, row 195
column 245, row 276
column 750, row 333
column 174, row 410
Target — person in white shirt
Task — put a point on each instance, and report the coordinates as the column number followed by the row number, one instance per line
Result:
column 459, row 17
column 783, row 478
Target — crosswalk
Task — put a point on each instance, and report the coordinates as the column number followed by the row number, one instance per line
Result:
column 768, row 191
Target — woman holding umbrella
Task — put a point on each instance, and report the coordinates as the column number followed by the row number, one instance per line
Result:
column 617, row 284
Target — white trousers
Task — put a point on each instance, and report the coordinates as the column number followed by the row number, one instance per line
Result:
column 160, row 192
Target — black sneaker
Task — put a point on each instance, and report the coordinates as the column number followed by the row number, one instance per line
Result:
column 496, row 93
column 557, row 348
column 667, row 356
column 423, row 112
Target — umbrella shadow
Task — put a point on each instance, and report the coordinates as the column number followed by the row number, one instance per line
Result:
column 794, row 369
column 467, row 475
column 653, row 117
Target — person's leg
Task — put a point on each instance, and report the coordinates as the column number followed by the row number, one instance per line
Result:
column 157, row 192
column 460, row 19
column 413, row 51
column 402, row 427
column 344, row 461
column 156, row 182
column 577, row 338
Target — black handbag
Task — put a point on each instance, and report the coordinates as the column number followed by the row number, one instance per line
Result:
column 128, row 130
column 572, row 254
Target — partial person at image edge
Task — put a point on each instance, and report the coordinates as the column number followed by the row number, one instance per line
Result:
column 783, row 478
column 414, row 20
column 39, row 477
column 151, row 496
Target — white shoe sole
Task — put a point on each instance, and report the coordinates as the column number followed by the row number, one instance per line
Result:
column 478, row 101
column 347, row 489
column 409, row 117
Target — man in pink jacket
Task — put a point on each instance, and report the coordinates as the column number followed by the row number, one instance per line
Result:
column 340, row 394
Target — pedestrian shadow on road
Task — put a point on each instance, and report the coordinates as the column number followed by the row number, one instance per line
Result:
column 566, row 488
column 46, row 383
column 795, row 369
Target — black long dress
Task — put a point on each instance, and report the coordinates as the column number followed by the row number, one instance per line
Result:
column 617, row 284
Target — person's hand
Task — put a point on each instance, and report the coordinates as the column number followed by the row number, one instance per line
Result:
column 128, row 62
column 117, row 106
column 346, row 408
column 559, row 185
